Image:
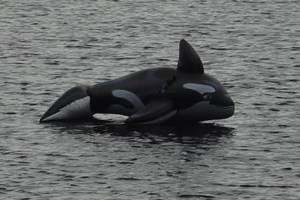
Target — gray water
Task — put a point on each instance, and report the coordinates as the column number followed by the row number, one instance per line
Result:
column 47, row 47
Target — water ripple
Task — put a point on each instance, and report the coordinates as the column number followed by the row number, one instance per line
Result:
column 251, row 47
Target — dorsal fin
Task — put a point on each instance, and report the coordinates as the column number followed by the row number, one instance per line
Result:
column 189, row 60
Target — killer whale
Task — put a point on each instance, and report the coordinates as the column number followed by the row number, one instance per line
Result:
column 153, row 95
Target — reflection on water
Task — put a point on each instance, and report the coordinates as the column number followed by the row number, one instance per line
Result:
column 200, row 133
column 122, row 158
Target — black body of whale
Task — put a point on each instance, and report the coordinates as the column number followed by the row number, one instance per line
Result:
column 150, row 96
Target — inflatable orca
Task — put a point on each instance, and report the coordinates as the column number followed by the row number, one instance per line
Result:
column 151, row 96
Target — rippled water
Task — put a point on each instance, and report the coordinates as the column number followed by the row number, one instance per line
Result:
column 48, row 46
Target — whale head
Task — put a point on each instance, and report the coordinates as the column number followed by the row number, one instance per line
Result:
column 189, row 95
column 208, row 100
column 205, row 95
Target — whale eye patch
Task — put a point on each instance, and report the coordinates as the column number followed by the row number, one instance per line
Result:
column 202, row 89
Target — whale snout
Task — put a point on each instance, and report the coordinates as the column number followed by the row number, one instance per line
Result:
column 224, row 104
column 227, row 111
column 222, row 99
column 73, row 104
column 231, row 107
column 228, row 101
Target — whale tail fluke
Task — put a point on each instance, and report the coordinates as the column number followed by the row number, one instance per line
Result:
column 73, row 104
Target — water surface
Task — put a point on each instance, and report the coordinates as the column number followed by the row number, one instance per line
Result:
column 251, row 47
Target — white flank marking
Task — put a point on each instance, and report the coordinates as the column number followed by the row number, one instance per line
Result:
column 129, row 96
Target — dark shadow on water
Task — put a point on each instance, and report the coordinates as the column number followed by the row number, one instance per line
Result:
column 179, row 133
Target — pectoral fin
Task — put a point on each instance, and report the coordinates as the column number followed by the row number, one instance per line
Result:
column 156, row 111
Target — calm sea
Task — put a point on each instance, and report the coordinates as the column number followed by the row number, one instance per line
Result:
column 49, row 46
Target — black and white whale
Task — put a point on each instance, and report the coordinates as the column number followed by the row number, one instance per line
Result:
column 150, row 96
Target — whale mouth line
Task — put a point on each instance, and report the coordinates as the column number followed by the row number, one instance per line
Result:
column 227, row 111
column 223, row 107
column 230, row 108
